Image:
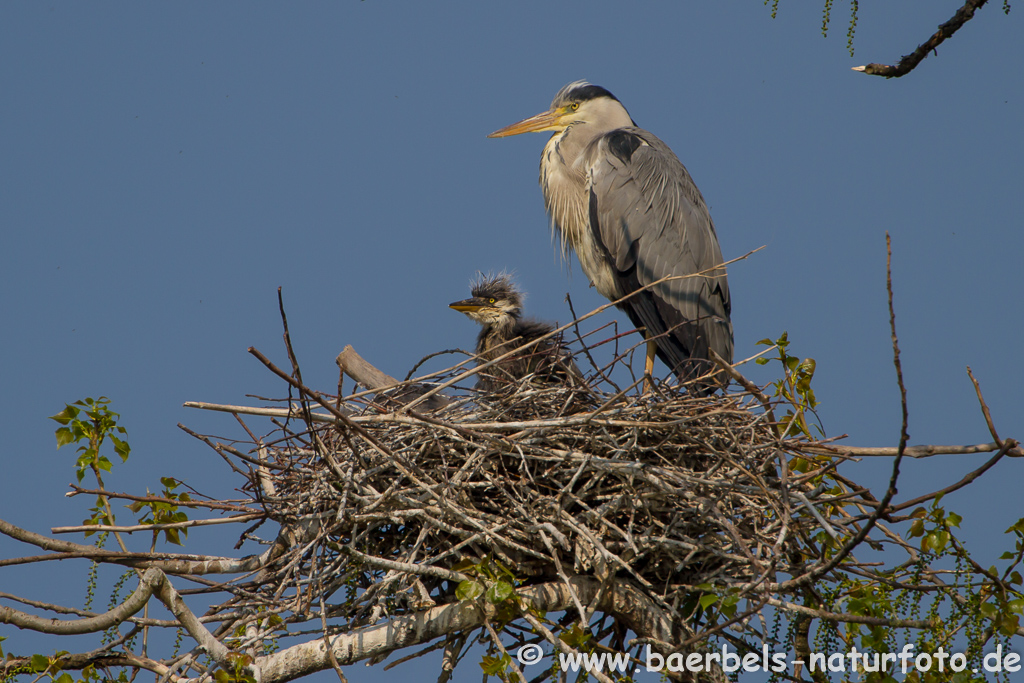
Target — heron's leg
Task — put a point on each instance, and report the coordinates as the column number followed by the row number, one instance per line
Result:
column 652, row 348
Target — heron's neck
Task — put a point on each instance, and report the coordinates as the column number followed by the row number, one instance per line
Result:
column 563, row 181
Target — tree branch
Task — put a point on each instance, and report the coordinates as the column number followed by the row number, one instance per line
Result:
column 169, row 563
column 624, row 601
column 908, row 62
column 153, row 582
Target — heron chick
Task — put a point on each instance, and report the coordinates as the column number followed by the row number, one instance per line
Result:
column 622, row 200
column 497, row 305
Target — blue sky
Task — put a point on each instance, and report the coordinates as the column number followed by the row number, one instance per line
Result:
column 167, row 166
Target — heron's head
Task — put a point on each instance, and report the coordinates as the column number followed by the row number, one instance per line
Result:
column 495, row 300
column 577, row 103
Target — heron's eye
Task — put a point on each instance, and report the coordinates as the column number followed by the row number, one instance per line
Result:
column 491, row 300
column 574, row 106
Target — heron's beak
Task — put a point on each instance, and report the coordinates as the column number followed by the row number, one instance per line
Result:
column 548, row 120
column 468, row 305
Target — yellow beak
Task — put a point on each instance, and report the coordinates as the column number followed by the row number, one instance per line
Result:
column 468, row 305
column 548, row 120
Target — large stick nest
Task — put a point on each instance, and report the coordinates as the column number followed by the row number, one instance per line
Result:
column 667, row 490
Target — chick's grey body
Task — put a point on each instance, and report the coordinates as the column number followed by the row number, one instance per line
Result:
column 497, row 305
column 624, row 203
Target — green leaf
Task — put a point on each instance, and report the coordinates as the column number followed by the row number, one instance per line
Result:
column 39, row 663
column 575, row 636
column 954, row 519
column 498, row 592
column 494, row 666
column 469, row 590
column 463, row 565
column 1009, row 624
column 64, row 436
column 121, row 447
column 240, row 659
column 67, row 415
column 935, row 541
column 762, row 361
column 707, row 600
column 504, row 570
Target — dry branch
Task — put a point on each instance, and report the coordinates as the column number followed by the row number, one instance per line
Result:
column 908, row 62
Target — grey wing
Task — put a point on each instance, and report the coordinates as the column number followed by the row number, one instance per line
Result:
column 651, row 220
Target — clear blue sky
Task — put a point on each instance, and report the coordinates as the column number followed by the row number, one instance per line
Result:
column 165, row 167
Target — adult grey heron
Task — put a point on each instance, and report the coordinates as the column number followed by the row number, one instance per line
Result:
column 498, row 305
column 627, row 206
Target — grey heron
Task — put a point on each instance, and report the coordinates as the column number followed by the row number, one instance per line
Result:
column 497, row 306
column 622, row 200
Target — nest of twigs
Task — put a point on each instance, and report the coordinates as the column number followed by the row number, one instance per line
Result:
column 666, row 489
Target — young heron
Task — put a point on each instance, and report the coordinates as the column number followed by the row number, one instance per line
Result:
column 497, row 305
column 629, row 209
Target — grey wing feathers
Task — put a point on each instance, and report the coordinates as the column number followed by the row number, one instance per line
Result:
column 652, row 221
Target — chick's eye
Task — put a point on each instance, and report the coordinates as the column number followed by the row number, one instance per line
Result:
column 491, row 300
column 574, row 106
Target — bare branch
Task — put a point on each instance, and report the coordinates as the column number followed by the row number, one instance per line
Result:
column 946, row 30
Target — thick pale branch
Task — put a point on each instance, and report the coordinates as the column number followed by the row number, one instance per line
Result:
column 622, row 600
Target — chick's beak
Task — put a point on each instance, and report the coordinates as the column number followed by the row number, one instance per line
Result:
column 467, row 305
column 548, row 120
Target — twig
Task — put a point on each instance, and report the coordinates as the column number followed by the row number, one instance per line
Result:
column 984, row 408
column 154, row 527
